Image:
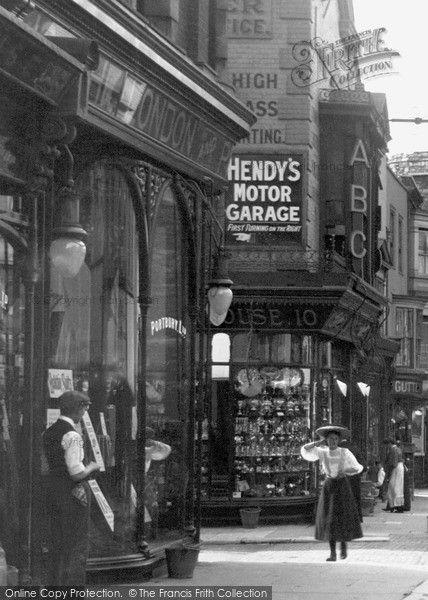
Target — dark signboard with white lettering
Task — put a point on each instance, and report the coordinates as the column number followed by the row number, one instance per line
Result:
column 264, row 200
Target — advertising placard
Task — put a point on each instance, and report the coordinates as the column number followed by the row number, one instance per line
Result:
column 94, row 441
column 264, row 199
column 102, row 503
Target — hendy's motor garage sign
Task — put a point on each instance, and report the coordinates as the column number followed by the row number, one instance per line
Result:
column 264, row 202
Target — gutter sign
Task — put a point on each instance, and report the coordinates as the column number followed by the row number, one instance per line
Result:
column 264, row 199
column 402, row 386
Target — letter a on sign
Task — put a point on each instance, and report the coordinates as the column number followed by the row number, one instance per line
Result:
column 359, row 154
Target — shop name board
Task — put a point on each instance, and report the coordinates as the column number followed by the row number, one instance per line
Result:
column 277, row 315
column 403, row 386
column 147, row 109
column 264, row 199
column 249, row 19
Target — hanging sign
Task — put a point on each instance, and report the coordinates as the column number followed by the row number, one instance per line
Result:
column 94, row 441
column 102, row 503
column 264, row 199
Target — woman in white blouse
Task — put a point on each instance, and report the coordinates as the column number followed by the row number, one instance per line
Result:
column 337, row 517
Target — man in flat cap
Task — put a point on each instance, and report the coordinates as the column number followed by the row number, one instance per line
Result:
column 68, row 493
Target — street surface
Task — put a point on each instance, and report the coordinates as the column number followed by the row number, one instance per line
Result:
column 389, row 563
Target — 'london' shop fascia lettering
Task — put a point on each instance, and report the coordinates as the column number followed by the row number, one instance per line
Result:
column 145, row 108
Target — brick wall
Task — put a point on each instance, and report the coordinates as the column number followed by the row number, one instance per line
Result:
column 264, row 51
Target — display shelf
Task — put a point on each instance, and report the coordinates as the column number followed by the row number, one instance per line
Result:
column 270, row 429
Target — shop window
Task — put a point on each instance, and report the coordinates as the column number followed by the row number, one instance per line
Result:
column 220, row 353
column 93, row 348
column 325, row 349
column 423, row 252
column 12, row 304
column 259, row 418
column 405, row 331
column 169, row 330
column 277, row 348
column 418, row 430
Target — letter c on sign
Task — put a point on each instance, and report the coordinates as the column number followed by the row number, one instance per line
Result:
column 363, row 251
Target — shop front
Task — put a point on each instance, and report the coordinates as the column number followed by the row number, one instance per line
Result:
column 122, row 167
column 282, row 365
column 406, row 412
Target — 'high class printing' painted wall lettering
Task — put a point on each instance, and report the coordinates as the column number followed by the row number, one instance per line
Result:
column 264, row 199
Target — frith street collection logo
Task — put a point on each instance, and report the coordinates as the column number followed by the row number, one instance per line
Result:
column 344, row 62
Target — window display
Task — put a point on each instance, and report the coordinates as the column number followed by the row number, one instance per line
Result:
column 259, row 416
column 272, row 422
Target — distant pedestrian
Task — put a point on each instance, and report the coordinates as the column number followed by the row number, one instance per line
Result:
column 67, row 493
column 394, row 475
column 337, row 518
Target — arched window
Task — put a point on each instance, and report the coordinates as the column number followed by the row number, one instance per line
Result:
column 168, row 365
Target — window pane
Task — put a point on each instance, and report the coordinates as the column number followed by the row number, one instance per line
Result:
column 167, row 371
column 93, row 338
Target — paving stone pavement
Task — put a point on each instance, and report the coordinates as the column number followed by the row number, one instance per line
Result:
column 389, row 563
column 406, row 531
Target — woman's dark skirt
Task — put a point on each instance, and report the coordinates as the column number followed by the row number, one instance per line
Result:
column 337, row 513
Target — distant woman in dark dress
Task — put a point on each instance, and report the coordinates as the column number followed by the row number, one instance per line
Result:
column 337, row 518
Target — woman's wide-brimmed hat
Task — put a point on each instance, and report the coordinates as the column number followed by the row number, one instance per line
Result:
column 343, row 432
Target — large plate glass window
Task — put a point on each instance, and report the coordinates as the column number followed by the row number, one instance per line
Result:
column 93, row 348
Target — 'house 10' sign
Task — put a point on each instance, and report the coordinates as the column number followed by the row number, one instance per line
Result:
column 264, row 200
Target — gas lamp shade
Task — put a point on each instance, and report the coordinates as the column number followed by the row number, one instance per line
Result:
column 67, row 255
column 219, row 299
column 68, row 249
column 219, row 293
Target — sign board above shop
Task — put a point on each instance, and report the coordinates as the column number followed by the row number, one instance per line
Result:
column 147, row 109
column 276, row 315
column 407, row 387
column 264, row 199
